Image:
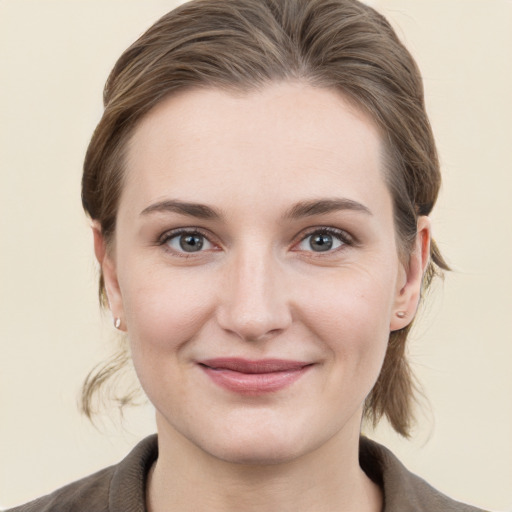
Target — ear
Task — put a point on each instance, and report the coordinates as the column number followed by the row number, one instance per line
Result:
column 107, row 263
column 408, row 294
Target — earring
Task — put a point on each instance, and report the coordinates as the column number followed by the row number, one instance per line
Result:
column 117, row 322
column 401, row 314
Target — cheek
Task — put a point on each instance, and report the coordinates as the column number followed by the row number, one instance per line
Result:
column 350, row 300
column 164, row 315
column 350, row 315
column 164, row 309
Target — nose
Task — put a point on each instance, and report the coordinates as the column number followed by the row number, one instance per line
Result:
column 254, row 298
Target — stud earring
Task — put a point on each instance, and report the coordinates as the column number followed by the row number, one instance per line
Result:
column 117, row 323
column 401, row 314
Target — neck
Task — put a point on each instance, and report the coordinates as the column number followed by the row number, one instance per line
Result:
column 329, row 478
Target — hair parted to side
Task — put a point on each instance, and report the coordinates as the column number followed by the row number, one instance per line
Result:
column 243, row 45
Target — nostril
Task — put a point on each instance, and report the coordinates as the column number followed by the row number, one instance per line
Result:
column 254, row 330
column 269, row 334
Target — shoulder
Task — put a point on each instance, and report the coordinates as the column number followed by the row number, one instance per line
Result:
column 118, row 488
column 403, row 490
column 91, row 491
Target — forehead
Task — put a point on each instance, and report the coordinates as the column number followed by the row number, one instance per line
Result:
column 284, row 140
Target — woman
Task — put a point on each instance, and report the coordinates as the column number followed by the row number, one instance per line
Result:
column 259, row 188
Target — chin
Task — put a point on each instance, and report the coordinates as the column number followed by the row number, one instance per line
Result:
column 262, row 443
column 262, row 452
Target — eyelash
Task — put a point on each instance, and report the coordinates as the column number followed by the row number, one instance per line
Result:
column 169, row 235
column 339, row 234
column 342, row 236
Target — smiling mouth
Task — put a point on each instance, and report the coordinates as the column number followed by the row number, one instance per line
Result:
column 251, row 377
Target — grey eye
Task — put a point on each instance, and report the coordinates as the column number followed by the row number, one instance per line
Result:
column 189, row 242
column 320, row 241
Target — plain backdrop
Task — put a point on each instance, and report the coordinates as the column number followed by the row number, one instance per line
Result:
column 54, row 58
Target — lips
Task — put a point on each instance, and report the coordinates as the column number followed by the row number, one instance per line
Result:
column 254, row 377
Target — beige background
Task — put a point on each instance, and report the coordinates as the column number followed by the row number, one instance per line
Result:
column 54, row 58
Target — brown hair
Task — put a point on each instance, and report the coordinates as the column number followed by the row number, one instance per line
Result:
column 245, row 44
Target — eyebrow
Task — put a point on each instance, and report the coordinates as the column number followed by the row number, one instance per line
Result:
column 201, row 211
column 318, row 207
column 297, row 211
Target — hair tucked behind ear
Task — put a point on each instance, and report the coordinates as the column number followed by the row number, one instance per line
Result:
column 246, row 44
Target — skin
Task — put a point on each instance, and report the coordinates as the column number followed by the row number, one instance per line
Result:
column 259, row 289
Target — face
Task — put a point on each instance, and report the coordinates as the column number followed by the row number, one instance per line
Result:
column 255, row 268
